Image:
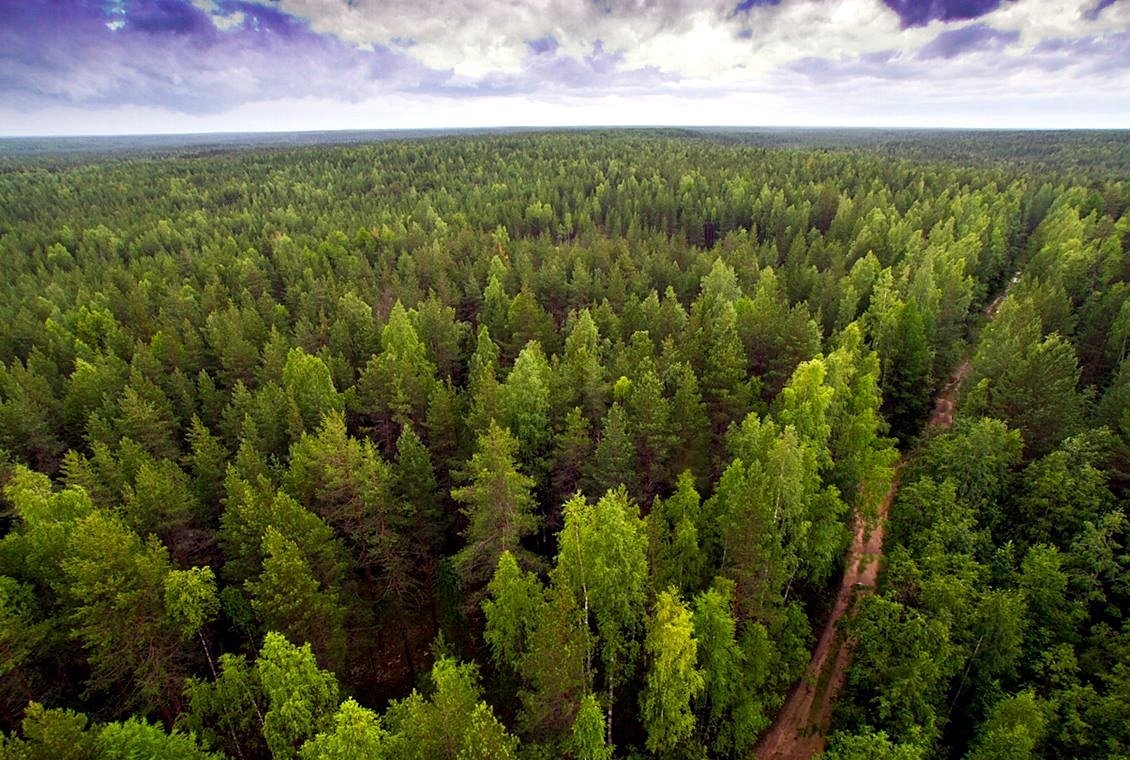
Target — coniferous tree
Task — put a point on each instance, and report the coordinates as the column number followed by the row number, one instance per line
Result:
column 498, row 506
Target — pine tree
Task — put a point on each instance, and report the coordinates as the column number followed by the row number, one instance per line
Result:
column 614, row 462
column 288, row 598
column 498, row 506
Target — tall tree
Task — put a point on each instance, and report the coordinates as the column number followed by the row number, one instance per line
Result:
column 396, row 384
column 514, row 601
column 301, row 698
column 673, row 679
column 906, row 358
column 602, row 560
column 1026, row 379
column 117, row 582
column 614, row 462
column 309, row 385
column 288, row 599
column 588, row 742
column 556, row 669
column 498, row 506
column 453, row 723
column 523, row 407
column 649, row 426
column 580, row 375
column 674, row 547
column 730, row 715
column 356, row 733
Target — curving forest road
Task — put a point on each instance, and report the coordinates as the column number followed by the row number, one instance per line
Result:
column 800, row 729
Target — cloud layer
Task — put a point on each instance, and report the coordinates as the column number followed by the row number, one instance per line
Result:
column 73, row 66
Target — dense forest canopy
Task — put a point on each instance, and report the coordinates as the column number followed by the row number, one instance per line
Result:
column 549, row 444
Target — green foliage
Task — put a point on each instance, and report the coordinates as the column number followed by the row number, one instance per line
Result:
column 523, row 407
column 356, row 735
column 613, row 463
column 1013, row 729
column 862, row 458
column 56, row 734
column 729, row 715
column 674, row 549
column 870, row 745
column 777, row 520
column 117, row 584
column 587, row 742
column 310, row 386
column 247, row 391
column 136, row 738
column 301, row 698
column 906, row 358
column 395, row 385
column 288, row 598
column 253, row 508
column 580, row 377
column 52, row 734
column 511, row 609
column 190, row 599
column 227, row 713
column 498, row 506
column 903, row 657
column 978, row 455
column 673, row 679
column 1026, row 379
column 1062, row 491
column 556, row 669
column 452, row 723
column 571, row 456
column 602, row 561
column 26, row 637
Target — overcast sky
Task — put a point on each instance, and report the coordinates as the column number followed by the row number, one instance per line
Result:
column 142, row 66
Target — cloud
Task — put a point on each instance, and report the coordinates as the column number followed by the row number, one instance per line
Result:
column 745, row 6
column 975, row 37
column 697, row 57
column 922, row 12
column 543, row 45
column 174, row 54
column 1098, row 8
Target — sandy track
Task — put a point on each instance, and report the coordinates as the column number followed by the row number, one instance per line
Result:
column 800, row 729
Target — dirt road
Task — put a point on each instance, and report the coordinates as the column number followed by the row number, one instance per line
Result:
column 801, row 728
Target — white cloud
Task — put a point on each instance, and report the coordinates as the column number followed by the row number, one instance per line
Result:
column 228, row 21
column 414, row 63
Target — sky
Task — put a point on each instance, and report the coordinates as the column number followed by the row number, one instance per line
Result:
column 175, row 66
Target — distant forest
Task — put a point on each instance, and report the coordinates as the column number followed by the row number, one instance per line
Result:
column 552, row 444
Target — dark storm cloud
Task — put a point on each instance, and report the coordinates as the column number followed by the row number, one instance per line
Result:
column 976, row 37
column 162, row 17
column 922, row 12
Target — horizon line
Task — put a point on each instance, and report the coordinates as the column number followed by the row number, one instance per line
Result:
column 557, row 128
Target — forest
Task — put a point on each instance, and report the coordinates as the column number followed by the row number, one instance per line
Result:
column 551, row 444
